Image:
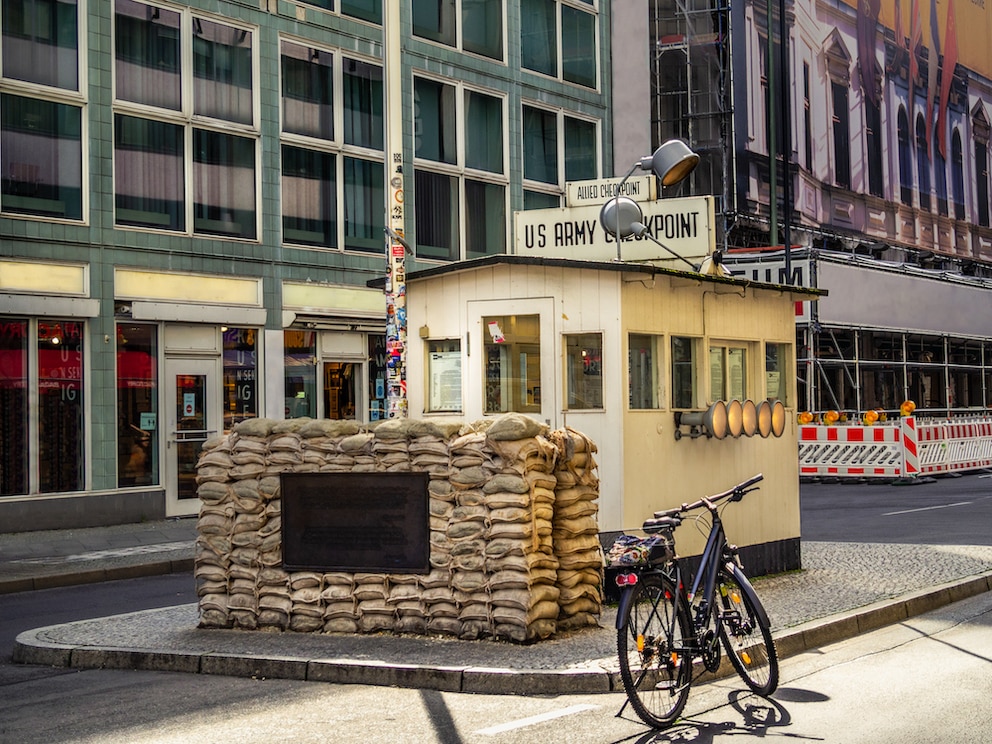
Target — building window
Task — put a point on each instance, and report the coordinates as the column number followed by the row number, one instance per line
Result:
column 41, row 157
column 512, row 366
column 685, row 388
column 728, row 367
column 481, row 24
column 223, row 184
column 807, row 120
column 41, row 42
column 157, row 185
column 444, row 376
column 842, row 135
column 939, row 175
column 643, row 364
column 922, row 164
column 333, row 185
column 982, row 182
column 41, row 139
column 147, row 65
column 366, row 10
column 137, row 405
column 583, row 371
column 557, row 148
column 957, row 174
column 905, row 159
column 873, row 133
column 460, row 176
column 574, row 23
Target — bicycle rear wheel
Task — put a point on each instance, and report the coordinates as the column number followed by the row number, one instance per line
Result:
column 746, row 635
column 655, row 661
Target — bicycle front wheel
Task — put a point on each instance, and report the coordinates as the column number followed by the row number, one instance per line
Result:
column 746, row 634
column 655, row 658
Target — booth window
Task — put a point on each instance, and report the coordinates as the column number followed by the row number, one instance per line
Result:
column 444, row 375
column 728, row 372
column 512, row 363
column 684, row 385
column 644, row 362
column 583, row 371
column 778, row 367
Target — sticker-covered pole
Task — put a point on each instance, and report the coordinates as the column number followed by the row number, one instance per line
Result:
column 396, row 246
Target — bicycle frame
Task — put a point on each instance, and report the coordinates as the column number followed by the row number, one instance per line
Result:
column 717, row 553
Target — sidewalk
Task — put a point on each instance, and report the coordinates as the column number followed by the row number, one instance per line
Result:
column 844, row 589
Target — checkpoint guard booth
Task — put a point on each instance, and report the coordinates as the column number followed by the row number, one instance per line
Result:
column 685, row 381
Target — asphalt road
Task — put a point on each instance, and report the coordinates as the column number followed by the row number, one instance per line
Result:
column 944, row 511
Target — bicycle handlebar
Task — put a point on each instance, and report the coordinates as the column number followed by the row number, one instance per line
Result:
column 736, row 494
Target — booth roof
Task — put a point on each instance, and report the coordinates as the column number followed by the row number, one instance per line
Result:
column 649, row 270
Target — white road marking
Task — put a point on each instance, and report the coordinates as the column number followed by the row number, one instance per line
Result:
column 926, row 508
column 532, row 720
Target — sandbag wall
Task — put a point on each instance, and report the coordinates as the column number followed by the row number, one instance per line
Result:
column 514, row 546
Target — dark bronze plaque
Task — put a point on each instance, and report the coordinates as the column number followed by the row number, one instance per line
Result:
column 355, row 522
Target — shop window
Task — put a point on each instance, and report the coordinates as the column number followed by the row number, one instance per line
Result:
column 685, row 386
column 240, row 375
column 778, row 370
column 644, row 364
column 512, row 363
column 377, row 377
column 583, row 371
column 60, row 406
column 13, row 407
column 728, row 367
column 300, row 370
column 444, row 375
column 341, row 390
column 137, row 405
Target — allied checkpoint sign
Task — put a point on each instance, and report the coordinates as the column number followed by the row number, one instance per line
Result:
column 685, row 225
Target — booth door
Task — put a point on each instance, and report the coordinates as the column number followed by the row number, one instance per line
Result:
column 193, row 416
column 518, row 366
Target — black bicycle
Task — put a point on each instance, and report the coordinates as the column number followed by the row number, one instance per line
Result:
column 665, row 628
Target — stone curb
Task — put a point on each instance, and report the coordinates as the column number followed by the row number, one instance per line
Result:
column 596, row 678
column 93, row 576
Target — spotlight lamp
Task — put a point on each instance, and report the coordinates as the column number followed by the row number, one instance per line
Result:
column 732, row 419
column 621, row 216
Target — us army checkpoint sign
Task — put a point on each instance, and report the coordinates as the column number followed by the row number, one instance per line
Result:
column 684, row 225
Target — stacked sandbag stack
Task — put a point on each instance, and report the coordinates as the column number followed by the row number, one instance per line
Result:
column 519, row 552
column 501, row 564
column 212, row 554
column 576, row 531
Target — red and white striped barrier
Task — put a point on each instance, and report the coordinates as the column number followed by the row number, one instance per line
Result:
column 904, row 449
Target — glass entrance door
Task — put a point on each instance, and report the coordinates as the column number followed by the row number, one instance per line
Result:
column 193, row 417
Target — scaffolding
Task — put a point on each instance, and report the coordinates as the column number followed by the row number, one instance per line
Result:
column 692, row 94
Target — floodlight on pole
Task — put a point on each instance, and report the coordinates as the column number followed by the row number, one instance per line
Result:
column 621, row 216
